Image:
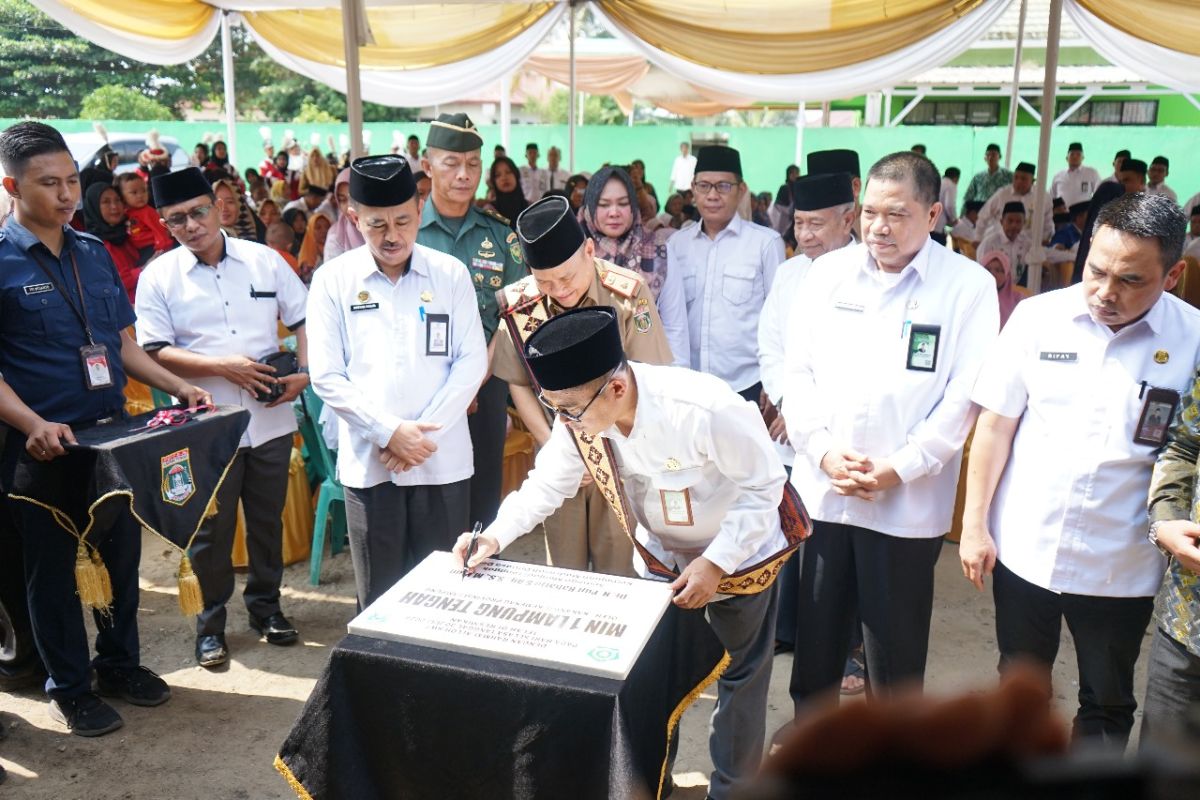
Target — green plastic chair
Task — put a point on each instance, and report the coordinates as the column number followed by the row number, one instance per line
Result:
column 331, row 498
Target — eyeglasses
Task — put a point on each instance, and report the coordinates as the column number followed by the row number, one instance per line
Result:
column 567, row 415
column 198, row 213
column 704, row 187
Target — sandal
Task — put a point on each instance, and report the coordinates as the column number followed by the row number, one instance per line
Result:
column 854, row 679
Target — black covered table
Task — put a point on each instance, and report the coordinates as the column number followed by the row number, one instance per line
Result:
column 394, row 720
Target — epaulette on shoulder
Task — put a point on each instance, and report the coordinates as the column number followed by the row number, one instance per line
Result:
column 496, row 216
column 90, row 237
column 518, row 296
column 618, row 280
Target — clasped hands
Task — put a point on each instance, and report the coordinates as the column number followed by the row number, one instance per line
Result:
column 853, row 474
column 409, row 446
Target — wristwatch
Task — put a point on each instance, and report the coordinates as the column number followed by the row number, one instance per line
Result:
column 302, row 370
column 1152, row 535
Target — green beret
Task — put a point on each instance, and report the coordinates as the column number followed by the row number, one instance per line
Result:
column 454, row 132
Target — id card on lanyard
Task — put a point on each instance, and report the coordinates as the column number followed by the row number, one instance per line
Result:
column 93, row 357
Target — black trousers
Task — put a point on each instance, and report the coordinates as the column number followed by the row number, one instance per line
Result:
column 1108, row 637
column 393, row 528
column 258, row 477
column 885, row 580
column 488, row 425
column 1172, row 690
column 54, row 609
column 751, row 393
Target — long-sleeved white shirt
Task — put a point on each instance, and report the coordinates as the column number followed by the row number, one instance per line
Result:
column 1075, row 185
column 1069, row 512
column 1162, row 189
column 682, row 171
column 725, row 282
column 993, row 210
column 846, row 382
column 369, row 361
column 230, row 309
column 690, row 432
column 948, row 197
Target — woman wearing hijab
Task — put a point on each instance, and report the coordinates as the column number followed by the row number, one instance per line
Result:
column 1007, row 292
column 219, row 160
column 237, row 220
column 100, row 170
column 611, row 217
column 104, row 215
column 297, row 220
column 317, row 172
column 576, row 186
column 508, row 199
column 312, row 249
column 344, row 234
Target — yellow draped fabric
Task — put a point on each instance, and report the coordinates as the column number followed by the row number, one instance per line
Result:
column 610, row 75
column 157, row 19
column 406, row 37
column 1173, row 24
column 297, row 519
column 779, row 38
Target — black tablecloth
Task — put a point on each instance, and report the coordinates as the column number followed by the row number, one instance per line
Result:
column 392, row 720
column 166, row 475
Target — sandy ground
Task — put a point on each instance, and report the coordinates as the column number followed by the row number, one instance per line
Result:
column 217, row 737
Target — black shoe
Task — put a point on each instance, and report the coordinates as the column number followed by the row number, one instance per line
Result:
column 86, row 715
column 275, row 628
column 136, row 685
column 211, row 650
column 782, row 647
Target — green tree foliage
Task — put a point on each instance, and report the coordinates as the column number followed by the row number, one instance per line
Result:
column 121, row 102
column 46, row 71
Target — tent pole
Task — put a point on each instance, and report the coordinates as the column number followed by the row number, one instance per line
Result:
column 800, row 109
column 505, row 109
column 1049, row 82
column 227, row 74
column 354, row 111
column 1016, row 84
column 571, row 118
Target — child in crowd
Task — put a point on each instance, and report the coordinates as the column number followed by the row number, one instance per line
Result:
column 146, row 232
column 281, row 238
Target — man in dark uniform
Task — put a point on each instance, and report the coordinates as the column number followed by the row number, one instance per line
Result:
column 62, row 307
column 485, row 242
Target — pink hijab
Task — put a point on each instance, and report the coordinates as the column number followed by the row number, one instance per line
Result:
column 1006, row 294
column 343, row 235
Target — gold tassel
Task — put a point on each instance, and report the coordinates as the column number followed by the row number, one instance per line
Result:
column 106, row 589
column 211, row 510
column 87, row 582
column 191, row 601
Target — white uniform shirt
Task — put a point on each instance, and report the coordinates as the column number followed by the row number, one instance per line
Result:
column 557, row 179
column 368, row 345
column 1163, row 189
column 1069, row 513
column 725, row 461
column 725, row 282
column 211, row 311
column 535, row 182
column 672, row 310
column 682, row 172
column 948, row 197
column 993, row 210
column 1075, row 185
column 1017, row 249
column 846, row 383
column 965, row 231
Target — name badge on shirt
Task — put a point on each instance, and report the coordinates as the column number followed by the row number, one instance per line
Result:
column 437, row 334
column 1055, row 355
column 96, row 373
column 38, row 288
column 364, row 306
column 676, row 506
column 1158, row 410
column 923, row 347
column 489, row 265
column 846, row 305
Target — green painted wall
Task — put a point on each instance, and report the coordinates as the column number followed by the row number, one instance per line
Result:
column 766, row 152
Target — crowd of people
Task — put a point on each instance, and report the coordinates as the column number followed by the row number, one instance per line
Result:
column 861, row 338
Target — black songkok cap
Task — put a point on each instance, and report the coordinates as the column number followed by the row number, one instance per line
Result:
column 381, row 181
column 719, row 158
column 1025, row 166
column 992, row 148
column 974, row 205
column 548, row 232
column 1014, row 207
column 1073, row 146
column 1134, row 165
column 172, row 188
column 826, row 162
column 454, row 132
column 815, row 192
column 575, row 347
column 1163, row 160
column 1079, row 208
